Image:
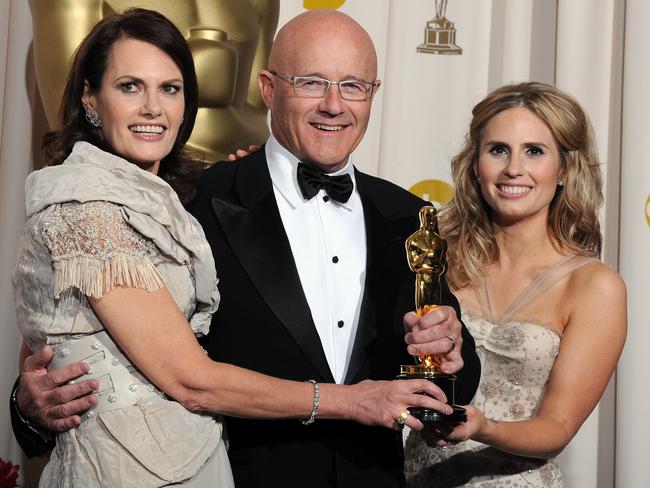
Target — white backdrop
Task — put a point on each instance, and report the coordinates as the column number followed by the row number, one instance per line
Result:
column 419, row 119
column 633, row 388
column 15, row 164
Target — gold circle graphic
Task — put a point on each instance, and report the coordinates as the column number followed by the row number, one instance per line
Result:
column 322, row 4
column 433, row 191
column 647, row 210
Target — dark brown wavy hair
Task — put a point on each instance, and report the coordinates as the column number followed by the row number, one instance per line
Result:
column 183, row 164
column 466, row 221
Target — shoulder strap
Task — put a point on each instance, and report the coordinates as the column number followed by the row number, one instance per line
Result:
column 483, row 295
column 543, row 282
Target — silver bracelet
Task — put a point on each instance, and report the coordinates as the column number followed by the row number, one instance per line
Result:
column 314, row 409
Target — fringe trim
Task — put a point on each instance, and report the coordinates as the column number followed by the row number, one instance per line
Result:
column 95, row 277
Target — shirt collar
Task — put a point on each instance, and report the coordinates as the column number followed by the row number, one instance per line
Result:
column 283, row 167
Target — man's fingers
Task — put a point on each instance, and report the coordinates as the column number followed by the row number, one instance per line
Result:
column 436, row 316
column 442, row 330
column 439, row 347
column 71, row 409
column 413, row 423
column 453, row 362
column 417, row 386
column 426, row 401
column 410, row 321
column 61, row 425
column 39, row 360
column 242, row 153
column 61, row 376
column 68, row 393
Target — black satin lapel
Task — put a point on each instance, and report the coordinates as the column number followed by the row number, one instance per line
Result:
column 258, row 239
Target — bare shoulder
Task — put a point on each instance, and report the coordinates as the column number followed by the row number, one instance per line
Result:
column 596, row 296
column 596, row 279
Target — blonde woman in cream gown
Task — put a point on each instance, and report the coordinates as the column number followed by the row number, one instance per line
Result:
column 517, row 356
column 548, row 318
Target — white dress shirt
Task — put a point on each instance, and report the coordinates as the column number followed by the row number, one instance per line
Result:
column 328, row 242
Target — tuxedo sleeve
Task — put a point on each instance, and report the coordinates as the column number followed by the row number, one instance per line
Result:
column 468, row 377
column 32, row 439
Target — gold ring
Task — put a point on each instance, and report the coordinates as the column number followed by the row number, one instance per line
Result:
column 402, row 417
column 453, row 343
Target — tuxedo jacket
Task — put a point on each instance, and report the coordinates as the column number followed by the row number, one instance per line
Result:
column 264, row 324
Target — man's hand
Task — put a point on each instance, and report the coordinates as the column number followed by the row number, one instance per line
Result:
column 242, row 153
column 383, row 402
column 46, row 399
column 438, row 333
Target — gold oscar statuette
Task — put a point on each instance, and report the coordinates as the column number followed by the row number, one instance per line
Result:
column 426, row 255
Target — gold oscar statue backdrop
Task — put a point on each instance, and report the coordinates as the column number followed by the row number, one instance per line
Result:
column 230, row 41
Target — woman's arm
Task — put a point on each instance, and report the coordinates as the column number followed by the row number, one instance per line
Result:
column 94, row 250
column 592, row 343
column 155, row 335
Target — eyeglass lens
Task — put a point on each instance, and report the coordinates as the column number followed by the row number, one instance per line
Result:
column 317, row 87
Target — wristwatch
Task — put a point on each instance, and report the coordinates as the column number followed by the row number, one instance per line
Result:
column 33, row 439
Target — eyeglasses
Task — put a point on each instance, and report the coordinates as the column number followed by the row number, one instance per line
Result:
column 315, row 87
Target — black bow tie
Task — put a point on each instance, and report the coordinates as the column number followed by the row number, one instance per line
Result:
column 311, row 180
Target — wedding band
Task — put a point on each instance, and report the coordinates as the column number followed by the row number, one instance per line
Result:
column 402, row 417
column 453, row 343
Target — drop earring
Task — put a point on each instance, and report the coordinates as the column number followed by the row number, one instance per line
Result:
column 93, row 118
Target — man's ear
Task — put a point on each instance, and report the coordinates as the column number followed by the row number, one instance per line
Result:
column 88, row 99
column 266, row 82
column 376, row 88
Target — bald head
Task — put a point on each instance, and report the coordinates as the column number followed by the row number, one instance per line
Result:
column 320, row 128
column 322, row 33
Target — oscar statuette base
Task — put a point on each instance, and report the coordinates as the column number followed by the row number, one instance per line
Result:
column 443, row 381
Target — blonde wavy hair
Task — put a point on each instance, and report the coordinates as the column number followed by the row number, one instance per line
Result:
column 466, row 222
